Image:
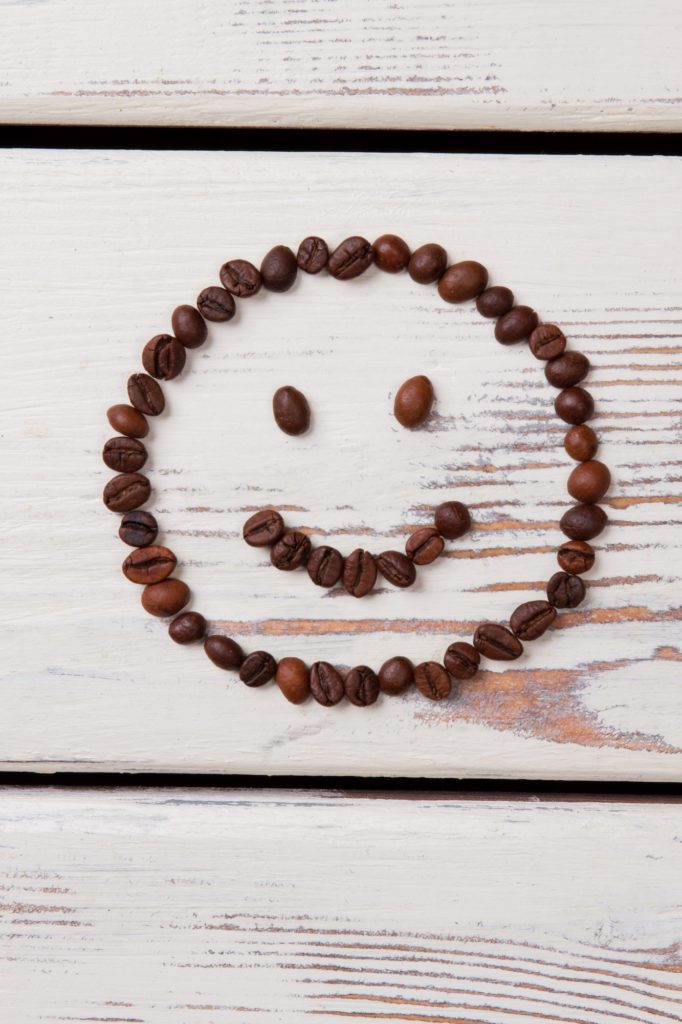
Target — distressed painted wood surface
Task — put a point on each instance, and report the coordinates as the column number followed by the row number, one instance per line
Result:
column 103, row 245
column 306, row 63
column 201, row 907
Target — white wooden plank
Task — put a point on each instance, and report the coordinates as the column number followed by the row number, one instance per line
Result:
column 311, row 63
column 101, row 248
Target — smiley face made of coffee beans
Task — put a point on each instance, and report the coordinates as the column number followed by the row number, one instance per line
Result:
column 152, row 565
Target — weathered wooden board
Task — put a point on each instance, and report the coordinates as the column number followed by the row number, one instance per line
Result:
column 207, row 906
column 101, row 246
column 307, row 63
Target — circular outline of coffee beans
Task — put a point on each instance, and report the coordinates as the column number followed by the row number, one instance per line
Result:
column 152, row 566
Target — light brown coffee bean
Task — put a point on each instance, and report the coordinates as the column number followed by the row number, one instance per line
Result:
column 166, row 598
column 413, row 401
column 128, row 421
column 424, row 545
column 149, row 564
column 293, row 679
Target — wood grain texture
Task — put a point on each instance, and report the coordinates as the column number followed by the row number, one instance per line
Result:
column 103, row 245
column 324, row 63
column 206, row 907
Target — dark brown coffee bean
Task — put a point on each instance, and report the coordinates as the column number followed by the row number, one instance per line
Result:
column 291, row 551
column 565, row 591
column 188, row 628
column 291, row 410
column 567, row 369
column 427, row 263
column 164, row 357
column 397, row 568
column 413, row 401
column 351, row 258
column 424, row 545
column 462, row 660
column 463, row 281
column 495, row 302
column 432, row 680
column 138, row 528
column 166, row 598
column 517, row 324
column 391, row 253
column 581, row 442
column 576, row 557
column 547, row 341
column 326, row 685
column 396, row 675
column 279, row 269
column 583, row 522
column 126, row 492
column 188, row 326
column 452, row 519
column 240, row 278
column 258, row 669
column 325, row 566
column 124, row 454
column 312, row 254
column 145, row 394
column 362, row 686
column 224, row 652
column 530, row 620
column 293, row 679
column 589, row 481
column 359, row 573
column 574, row 405
column 127, row 421
column 263, row 528
column 497, row 642
column 216, row 304
column 149, row 564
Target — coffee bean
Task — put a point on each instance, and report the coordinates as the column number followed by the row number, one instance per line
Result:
column 359, row 573
column 351, row 258
column 291, row 551
column 530, row 620
column 589, row 481
column 240, row 278
column 127, row 421
column 312, row 254
column 565, row 590
column 166, row 598
column 263, row 528
column 325, row 566
column 396, row 675
column 138, row 528
column 462, row 660
column 517, row 324
column 576, row 557
column 145, row 394
column 547, row 341
column 424, row 545
column 452, row 519
column 258, row 669
column 326, row 685
column 391, row 253
column 279, row 269
column 216, row 304
column 574, row 405
column 188, row 326
column 413, row 401
column 397, row 568
column 149, row 564
column 124, row 454
column 188, row 628
column 362, row 686
column 581, row 442
column 432, row 680
column 583, row 522
column 164, row 357
column 495, row 302
column 497, row 642
column 224, row 651
column 126, row 492
column 291, row 410
column 293, row 679
column 427, row 263
column 463, row 281
column 566, row 370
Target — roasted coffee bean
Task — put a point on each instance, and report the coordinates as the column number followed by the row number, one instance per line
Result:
column 224, row 651
column 263, row 528
column 547, row 341
column 312, row 255
column 589, row 481
column 127, row 421
column 325, row 566
column 188, row 628
column 359, row 573
column 565, row 590
column 497, row 642
column 396, row 675
column 583, row 522
column 391, row 253
column 432, row 680
column 463, row 281
column 216, row 304
column 293, row 679
column 188, row 326
column 166, row 598
column 259, row 668
column 291, row 551
column 164, row 357
column 413, row 401
column 517, row 324
column 138, row 529
column 145, row 394
column 495, row 302
column 291, row 410
column 427, row 263
column 576, row 557
column 581, row 442
column 452, row 519
column 326, row 685
column 566, row 370
column 149, row 564
column 362, row 686
column 279, row 269
column 462, row 660
column 126, row 492
column 240, row 278
column 574, row 405
column 397, row 568
column 124, row 454
column 424, row 545
column 351, row 258
column 530, row 620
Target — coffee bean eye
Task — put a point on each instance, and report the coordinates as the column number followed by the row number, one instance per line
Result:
column 291, row 410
